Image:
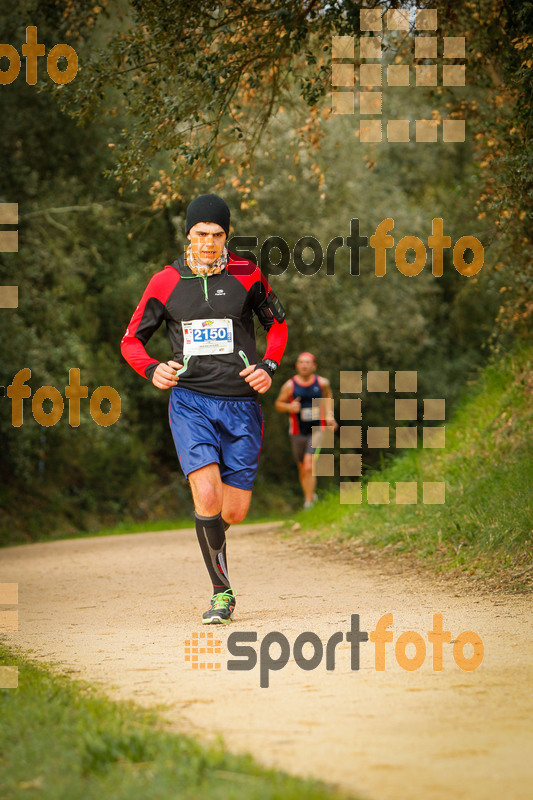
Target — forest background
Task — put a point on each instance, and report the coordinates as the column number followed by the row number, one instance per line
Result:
column 175, row 99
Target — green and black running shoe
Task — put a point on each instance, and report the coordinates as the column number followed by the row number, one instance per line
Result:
column 222, row 607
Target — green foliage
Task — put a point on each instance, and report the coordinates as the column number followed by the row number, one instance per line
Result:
column 487, row 466
column 100, row 750
column 233, row 100
column 61, row 740
column 438, row 327
column 77, row 290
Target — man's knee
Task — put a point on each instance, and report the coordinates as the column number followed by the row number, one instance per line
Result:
column 206, row 492
column 236, row 504
column 206, row 504
column 307, row 464
column 235, row 515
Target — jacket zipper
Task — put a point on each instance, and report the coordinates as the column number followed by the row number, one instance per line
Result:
column 195, row 277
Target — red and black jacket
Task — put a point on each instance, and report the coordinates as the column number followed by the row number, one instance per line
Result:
column 175, row 294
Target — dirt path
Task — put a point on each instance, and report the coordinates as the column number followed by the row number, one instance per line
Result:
column 118, row 610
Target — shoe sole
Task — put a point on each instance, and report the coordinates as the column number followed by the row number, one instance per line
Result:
column 216, row 621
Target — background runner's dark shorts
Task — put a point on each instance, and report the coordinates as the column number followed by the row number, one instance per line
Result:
column 211, row 429
column 301, row 444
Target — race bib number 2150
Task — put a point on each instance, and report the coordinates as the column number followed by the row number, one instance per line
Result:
column 207, row 337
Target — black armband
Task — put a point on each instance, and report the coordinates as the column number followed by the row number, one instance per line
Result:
column 270, row 311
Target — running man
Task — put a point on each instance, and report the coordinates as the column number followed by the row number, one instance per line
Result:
column 296, row 398
column 208, row 298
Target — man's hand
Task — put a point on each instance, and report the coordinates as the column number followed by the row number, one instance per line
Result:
column 295, row 406
column 164, row 376
column 332, row 423
column 258, row 379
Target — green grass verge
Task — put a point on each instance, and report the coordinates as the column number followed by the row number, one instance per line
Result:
column 139, row 527
column 62, row 741
column 487, row 465
column 161, row 525
column 112, row 530
column 121, row 528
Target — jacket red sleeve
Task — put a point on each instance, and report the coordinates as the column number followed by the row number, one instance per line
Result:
column 277, row 332
column 146, row 319
column 276, row 341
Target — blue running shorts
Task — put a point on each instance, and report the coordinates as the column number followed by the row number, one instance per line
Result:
column 210, row 429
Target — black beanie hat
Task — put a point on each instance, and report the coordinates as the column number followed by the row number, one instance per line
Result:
column 208, row 208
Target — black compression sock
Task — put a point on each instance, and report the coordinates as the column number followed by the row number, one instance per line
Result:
column 212, row 538
column 226, row 525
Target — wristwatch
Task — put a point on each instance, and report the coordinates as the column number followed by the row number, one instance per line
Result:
column 269, row 365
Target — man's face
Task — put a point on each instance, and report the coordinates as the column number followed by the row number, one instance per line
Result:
column 305, row 366
column 207, row 240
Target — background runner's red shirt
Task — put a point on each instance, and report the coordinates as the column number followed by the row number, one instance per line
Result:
column 175, row 295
